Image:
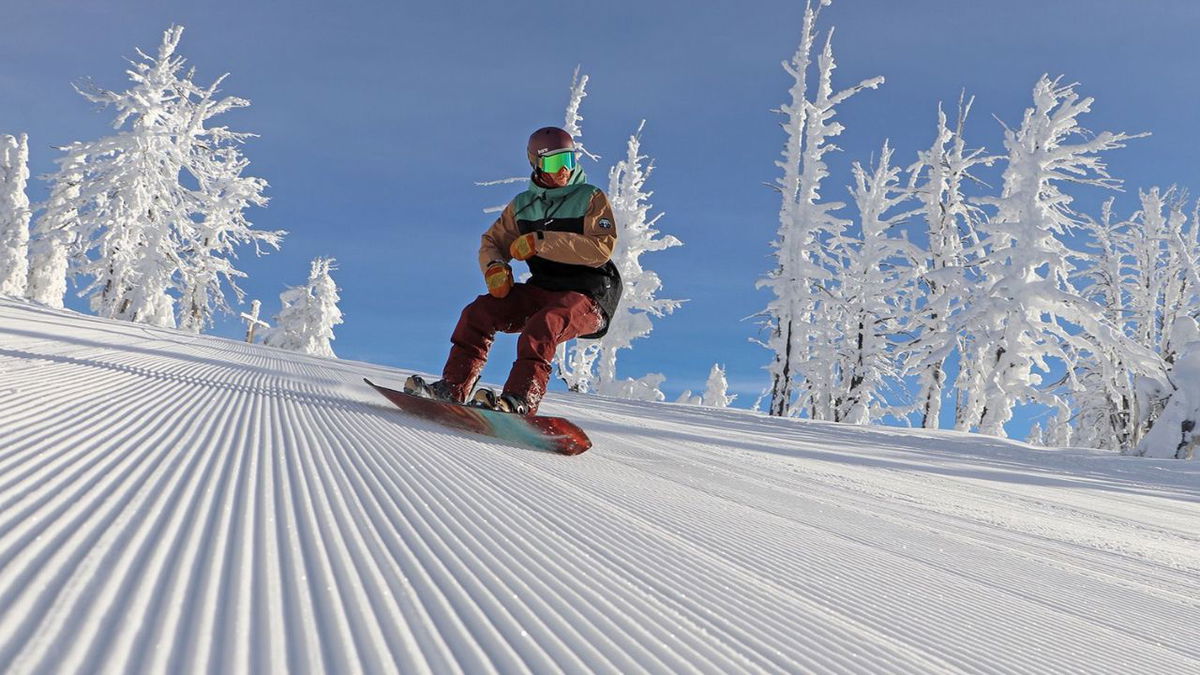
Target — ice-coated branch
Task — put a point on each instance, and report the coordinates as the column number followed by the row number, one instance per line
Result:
column 573, row 118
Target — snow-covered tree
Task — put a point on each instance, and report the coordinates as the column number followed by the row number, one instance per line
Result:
column 1026, row 316
column 309, row 313
column 1106, row 408
column 644, row 388
column 1175, row 433
column 716, row 391
column 1160, row 275
column 54, row 237
column 796, row 335
column 576, row 364
column 224, row 195
column 594, row 362
column 585, row 365
column 943, row 267
column 1037, row 436
column 1145, row 272
column 152, row 195
column 867, row 303
column 638, row 235
column 14, row 214
column 132, row 208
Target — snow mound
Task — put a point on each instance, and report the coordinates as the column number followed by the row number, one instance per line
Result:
column 172, row 502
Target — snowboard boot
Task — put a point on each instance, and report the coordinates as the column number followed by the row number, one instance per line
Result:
column 505, row 403
column 440, row 391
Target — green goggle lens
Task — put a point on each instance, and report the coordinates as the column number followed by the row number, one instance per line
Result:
column 558, row 161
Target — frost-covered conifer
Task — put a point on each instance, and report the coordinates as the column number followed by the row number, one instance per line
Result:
column 1026, row 314
column 132, row 209
column 867, row 303
column 639, row 301
column 1176, row 432
column 1106, row 405
column 1037, row 436
column 800, row 342
column 14, row 214
column 637, row 235
column 645, row 388
column 137, row 210
column 54, row 236
column 305, row 323
column 576, row 364
column 943, row 268
column 224, row 196
column 1160, row 278
column 716, row 391
column 1145, row 272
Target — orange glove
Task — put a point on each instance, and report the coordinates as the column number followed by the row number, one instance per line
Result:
column 499, row 279
column 525, row 246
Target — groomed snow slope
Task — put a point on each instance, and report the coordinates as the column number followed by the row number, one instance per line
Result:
column 179, row 503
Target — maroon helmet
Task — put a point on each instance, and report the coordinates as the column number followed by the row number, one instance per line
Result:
column 547, row 140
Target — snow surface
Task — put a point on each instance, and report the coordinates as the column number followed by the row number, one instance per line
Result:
column 175, row 502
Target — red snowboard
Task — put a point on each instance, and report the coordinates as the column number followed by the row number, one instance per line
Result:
column 547, row 433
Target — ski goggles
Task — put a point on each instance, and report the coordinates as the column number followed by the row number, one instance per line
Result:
column 559, row 160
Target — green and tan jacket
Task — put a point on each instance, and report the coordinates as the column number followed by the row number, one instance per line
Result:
column 576, row 237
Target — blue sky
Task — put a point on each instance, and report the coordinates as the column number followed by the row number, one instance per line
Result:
column 376, row 118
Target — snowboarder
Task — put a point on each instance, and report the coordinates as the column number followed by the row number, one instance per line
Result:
column 563, row 228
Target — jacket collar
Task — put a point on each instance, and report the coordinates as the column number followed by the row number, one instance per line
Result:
column 578, row 177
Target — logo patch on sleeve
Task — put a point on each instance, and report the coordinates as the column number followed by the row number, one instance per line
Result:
column 605, row 223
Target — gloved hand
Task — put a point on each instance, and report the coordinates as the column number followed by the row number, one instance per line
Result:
column 524, row 247
column 499, row 279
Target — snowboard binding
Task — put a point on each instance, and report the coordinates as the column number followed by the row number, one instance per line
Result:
column 505, row 403
column 416, row 385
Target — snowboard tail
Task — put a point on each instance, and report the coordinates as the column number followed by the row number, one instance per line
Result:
column 548, row 433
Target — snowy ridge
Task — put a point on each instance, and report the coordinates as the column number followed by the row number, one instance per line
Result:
column 171, row 502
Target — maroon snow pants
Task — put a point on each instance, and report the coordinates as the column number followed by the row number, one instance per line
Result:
column 544, row 319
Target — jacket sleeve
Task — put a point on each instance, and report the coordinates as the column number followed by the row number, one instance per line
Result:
column 593, row 247
column 497, row 239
